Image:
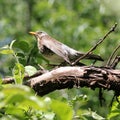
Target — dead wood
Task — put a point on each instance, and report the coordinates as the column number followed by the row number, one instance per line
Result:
column 69, row 77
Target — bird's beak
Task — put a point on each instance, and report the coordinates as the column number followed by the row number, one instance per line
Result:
column 33, row 33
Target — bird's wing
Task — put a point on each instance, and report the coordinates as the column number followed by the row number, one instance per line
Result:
column 58, row 48
column 64, row 51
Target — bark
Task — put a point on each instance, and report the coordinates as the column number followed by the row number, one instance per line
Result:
column 69, row 77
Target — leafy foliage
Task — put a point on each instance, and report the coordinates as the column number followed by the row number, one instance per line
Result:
column 19, row 102
column 77, row 23
column 115, row 111
column 18, row 73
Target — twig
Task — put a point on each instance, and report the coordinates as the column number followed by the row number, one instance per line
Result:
column 111, row 103
column 99, row 42
column 26, row 77
column 115, row 62
column 110, row 58
column 101, row 98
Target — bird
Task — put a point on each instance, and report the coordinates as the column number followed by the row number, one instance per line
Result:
column 56, row 52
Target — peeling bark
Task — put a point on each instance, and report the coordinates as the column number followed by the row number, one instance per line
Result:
column 69, row 77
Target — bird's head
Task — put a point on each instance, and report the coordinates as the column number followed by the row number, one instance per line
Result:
column 38, row 34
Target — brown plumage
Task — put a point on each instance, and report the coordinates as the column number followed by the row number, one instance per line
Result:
column 57, row 52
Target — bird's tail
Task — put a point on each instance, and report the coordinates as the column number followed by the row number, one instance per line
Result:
column 90, row 56
column 94, row 57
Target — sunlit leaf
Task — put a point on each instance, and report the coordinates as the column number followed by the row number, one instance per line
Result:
column 79, row 98
column 97, row 117
column 49, row 115
column 14, row 89
column 6, row 51
column 11, row 44
column 115, row 111
column 62, row 110
column 30, row 70
column 93, row 115
column 15, row 111
column 18, row 73
column 21, row 97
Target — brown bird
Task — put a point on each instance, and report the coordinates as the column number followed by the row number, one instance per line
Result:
column 57, row 52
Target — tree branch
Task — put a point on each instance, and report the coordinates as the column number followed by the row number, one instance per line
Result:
column 98, row 43
column 69, row 77
column 8, row 80
column 110, row 58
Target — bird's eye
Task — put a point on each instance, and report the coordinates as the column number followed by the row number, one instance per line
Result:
column 40, row 32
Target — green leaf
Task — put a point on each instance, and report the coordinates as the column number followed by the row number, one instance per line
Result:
column 79, row 98
column 21, row 97
column 18, row 73
column 62, row 110
column 97, row 117
column 115, row 111
column 30, row 70
column 15, row 111
column 17, row 100
column 22, row 45
column 11, row 44
column 92, row 114
column 49, row 115
column 1, row 80
column 6, row 51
